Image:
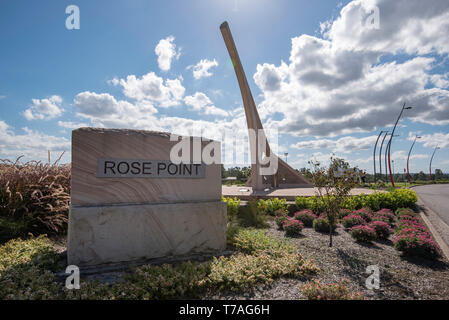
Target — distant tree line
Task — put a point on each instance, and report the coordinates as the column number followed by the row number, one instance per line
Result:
column 241, row 174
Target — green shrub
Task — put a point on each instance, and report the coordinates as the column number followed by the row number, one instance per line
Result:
column 25, row 269
column 252, row 216
column 13, row 228
column 233, row 205
column 393, row 200
column 363, row 233
column 343, row 213
column 302, row 203
column 306, row 216
column 317, row 291
column 270, row 206
column 317, row 205
column 322, row 225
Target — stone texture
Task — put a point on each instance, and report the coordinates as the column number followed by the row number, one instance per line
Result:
column 91, row 144
column 118, row 233
column 118, row 218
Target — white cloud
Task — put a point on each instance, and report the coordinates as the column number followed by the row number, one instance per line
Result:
column 402, row 155
column 103, row 110
column 2, row 97
column 345, row 145
column 44, row 109
column 32, row 144
column 433, row 140
column 410, row 26
column 71, row 125
column 154, row 89
column 343, row 84
column 166, row 51
column 201, row 69
column 201, row 102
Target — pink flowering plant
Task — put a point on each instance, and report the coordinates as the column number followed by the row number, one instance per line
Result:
column 321, row 224
column 352, row 220
column 365, row 213
column 363, row 233
column 383, row 229
column 405, row 211
column 280, row 220
column 306, row 217
column 414, row 242
column 292, row 227
column 385, row 213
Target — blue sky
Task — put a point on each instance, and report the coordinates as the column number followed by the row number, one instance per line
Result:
column 321, row 77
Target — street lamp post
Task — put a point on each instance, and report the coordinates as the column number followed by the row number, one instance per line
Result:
column 408, row 157
column 286, row 154
column 380, row 153
column 386, row 157
column 392, row 161
column 374, row 154
column 430, row 166
column 391, row 138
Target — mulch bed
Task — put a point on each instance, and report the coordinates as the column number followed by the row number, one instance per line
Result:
column 400, row 277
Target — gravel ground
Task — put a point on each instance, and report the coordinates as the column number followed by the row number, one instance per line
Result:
column 400, row 278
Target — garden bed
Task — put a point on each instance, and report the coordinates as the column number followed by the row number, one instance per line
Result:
column 400, row 278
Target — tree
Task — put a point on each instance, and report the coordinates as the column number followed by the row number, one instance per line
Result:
column 333, row 187
column 438, row 174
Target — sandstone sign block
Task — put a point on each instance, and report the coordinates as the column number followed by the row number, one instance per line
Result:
column 130, row 200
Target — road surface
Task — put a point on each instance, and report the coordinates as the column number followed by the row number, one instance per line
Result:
column 436, row 197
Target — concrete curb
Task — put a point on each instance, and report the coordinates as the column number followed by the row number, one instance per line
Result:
column 427, row 215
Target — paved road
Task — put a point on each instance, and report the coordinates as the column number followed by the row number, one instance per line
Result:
column 289, row 193
column 436, row 197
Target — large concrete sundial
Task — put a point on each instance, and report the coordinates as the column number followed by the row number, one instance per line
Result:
column 285, row 176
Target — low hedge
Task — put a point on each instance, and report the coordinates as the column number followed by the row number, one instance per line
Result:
column 395, row 199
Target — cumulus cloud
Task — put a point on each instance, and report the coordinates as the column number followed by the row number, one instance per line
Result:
column 103, row 110
column 71, row 124
column 44, row 109
column 201, row 69
column 166, row 52
column 343, row 83
column 201, row 102
column 434, row 140
column 31, row 144
column 344, row 145
column 154, row 89
column 410, row 26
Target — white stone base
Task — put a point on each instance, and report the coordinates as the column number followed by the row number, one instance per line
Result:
column 115, row 233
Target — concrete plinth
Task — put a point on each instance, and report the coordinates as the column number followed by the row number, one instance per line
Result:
column 115, row 233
